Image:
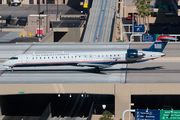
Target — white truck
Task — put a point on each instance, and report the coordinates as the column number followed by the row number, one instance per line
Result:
column 15, row 2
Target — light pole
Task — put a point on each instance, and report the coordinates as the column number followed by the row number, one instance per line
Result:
column 46, row 6
column 133, row 20
column 46, row 16
column 39, row 22
column 1, row 23
column 57, row 11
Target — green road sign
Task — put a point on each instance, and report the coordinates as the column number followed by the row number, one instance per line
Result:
column 170, row 115
column 21, row 92
column 163, row 6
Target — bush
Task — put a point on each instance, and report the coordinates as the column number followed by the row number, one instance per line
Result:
column 106, row 115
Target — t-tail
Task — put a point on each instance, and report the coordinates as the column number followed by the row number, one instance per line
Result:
column 160, row 43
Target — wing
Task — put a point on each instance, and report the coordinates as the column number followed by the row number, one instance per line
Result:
column 93, row 65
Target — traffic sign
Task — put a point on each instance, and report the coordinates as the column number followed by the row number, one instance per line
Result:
column 21, row 92
column 148, row 38
column 147, row 115
column 138, row 28
column 170, row 115
column 39, row 32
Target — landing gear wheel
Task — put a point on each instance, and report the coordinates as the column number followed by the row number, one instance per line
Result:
column 12, row 69
column 96, row 70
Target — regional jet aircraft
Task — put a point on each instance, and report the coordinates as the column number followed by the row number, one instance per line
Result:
column 91, row 59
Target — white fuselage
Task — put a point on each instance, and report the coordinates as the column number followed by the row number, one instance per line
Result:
column 91, row 59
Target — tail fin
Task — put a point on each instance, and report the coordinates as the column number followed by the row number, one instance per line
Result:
column 160, row 43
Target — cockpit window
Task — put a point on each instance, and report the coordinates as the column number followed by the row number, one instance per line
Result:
column 13, row 58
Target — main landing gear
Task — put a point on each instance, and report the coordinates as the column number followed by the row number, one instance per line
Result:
column 12, row 69
column 96, row 70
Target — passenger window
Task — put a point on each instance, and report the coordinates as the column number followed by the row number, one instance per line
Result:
column 33, row 58
column 36, row 58
column 75, row 56
column 48, row 57
column 44, row 57
column 110, row 55
column 114, row 55
column 71, row 56
column 40, row 57
column 98, row 55
column 106, row 55
column 64, row 57
column 60, row 57
column 68, row 56
column 79, row 56
column 52, row 57
column 118, row 54
column 102, row 55
column 56, row 57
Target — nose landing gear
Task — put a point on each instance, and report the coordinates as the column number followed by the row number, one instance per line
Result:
column 12, row 69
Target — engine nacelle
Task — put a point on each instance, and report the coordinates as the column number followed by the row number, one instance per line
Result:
column 133, row 53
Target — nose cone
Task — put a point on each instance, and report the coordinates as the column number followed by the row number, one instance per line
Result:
column 4, row 64
column 163, row 54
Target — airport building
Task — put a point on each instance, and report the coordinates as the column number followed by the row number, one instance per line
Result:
column 142, row 86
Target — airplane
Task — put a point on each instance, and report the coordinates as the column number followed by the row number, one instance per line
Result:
column 95, row 59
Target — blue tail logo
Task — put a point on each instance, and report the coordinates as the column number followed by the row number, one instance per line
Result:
column 160, row 43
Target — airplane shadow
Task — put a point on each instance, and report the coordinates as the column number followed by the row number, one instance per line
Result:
column 142, row 69
column 88, row 70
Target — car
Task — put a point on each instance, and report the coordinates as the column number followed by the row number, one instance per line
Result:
column 130, row 18
column 82, row 17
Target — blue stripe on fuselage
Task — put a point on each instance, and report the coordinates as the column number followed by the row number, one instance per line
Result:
column 74, row 64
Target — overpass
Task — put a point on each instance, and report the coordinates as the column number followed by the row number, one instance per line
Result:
column 101, row 21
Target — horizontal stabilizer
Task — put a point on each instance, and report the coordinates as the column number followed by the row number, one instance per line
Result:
column 168, row 38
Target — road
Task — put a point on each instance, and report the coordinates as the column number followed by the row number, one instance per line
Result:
column 100, row 22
